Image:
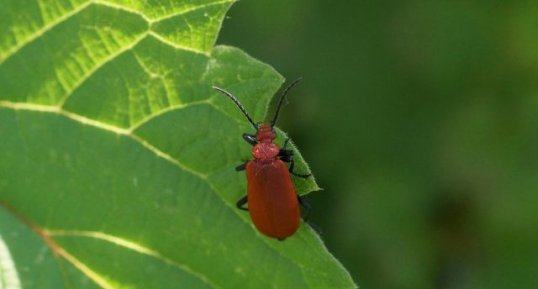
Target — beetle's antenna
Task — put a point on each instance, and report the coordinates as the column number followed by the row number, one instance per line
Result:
column 282, row 99
column 239, row 105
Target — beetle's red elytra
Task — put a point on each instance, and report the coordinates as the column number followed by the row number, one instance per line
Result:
column 273, row 203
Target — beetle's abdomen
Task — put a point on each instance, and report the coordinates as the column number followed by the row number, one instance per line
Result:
column 272, row 200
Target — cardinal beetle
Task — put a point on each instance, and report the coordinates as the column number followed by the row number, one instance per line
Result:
column 272, row 201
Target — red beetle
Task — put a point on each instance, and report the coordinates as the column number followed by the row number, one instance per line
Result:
column 272, row 201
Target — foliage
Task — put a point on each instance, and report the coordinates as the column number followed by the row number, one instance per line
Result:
column 117, row 157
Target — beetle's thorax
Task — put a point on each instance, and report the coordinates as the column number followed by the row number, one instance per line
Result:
column 265, row 133
column 265, row 149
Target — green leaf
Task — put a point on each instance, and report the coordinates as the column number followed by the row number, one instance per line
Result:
column 117, row 157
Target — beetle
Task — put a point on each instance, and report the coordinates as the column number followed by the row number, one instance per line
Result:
column 273, row 203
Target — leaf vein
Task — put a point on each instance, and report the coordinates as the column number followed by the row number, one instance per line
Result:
column 43, row 30
column 101, row 125
column 190, row 9
column 134, row 247
column 120, row 7
column 98, row 66
column 175, row 45
column 165, row 110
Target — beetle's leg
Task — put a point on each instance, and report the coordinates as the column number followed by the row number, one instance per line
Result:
column 292, row 164
column 250, row 138
column 306, row 206
column 285, row 155
column 306, row 217
column 240, row 204
column 241, row 167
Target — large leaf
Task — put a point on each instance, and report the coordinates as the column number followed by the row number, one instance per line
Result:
column 116, row 156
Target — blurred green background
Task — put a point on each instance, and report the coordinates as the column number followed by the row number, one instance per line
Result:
column 420, row 121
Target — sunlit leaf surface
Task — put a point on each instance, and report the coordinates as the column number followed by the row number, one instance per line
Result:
column 117, row 157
